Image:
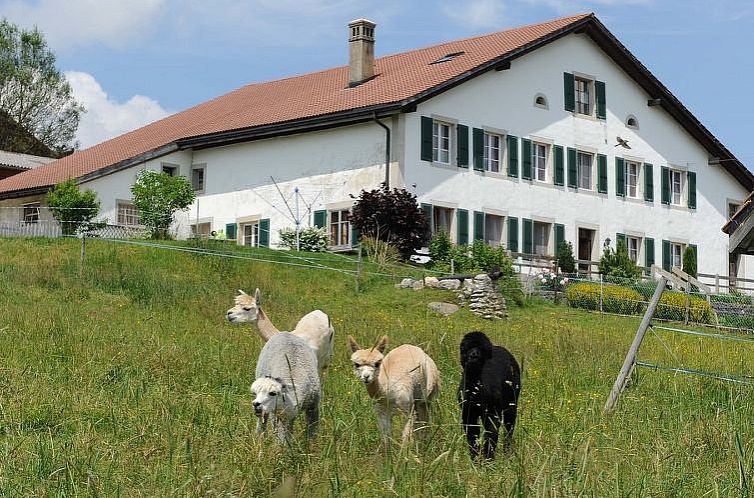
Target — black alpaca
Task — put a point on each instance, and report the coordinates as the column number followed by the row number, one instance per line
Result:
column 489, row 389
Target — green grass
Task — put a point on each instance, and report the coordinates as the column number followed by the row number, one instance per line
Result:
column 129, row 382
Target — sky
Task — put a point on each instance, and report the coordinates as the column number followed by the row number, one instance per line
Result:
column 132, row 62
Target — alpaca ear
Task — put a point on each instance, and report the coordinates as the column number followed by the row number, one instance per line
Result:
column 382, row 344
column 258, row 297
column 242, row 292
column 352, row 344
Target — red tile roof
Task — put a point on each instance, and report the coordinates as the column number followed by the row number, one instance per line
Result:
column 399, row 77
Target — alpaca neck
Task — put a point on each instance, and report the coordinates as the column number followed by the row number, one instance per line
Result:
column 265, row 326
column 373, row 389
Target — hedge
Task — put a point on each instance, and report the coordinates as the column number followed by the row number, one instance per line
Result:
column 615, row 299
column 672, row 306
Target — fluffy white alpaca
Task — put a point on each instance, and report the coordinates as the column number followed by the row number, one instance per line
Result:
column 405, row 379
column 315, row 327
column 287, row 381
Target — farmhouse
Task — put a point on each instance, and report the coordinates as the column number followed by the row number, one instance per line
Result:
column 524, row 137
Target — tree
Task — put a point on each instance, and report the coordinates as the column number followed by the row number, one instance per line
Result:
column 393, row 216
column 689, row 261
column 618, row 264
column 566, row 261
column 73, row 208
column 33, row 92
column 158, row 196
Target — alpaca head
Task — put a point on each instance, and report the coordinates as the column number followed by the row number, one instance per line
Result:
column 366, row 362
column 476, row 349
column 246, row 309
column 270, row 395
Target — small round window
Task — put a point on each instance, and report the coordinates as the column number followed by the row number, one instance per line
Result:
column 540, row 101
column 632, row 122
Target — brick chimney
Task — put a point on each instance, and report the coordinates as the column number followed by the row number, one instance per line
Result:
column 360, row 51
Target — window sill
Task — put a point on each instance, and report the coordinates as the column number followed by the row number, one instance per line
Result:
column 449, row 167
column 496, row 174
column 587, row 117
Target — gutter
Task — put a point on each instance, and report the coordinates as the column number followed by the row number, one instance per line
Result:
column 387, row 149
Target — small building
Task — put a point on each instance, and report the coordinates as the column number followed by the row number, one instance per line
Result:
column 13, row 163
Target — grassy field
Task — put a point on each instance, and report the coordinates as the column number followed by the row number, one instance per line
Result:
column 129, row 382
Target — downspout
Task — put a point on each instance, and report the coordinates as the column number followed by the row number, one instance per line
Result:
column 387, row 149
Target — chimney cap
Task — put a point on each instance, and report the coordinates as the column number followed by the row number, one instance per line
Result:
column 362, row 21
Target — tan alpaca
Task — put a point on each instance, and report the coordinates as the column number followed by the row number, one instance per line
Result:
column 405, row 379
column 314, row 327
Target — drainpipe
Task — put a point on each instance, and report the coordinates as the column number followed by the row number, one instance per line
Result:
column 387, row 149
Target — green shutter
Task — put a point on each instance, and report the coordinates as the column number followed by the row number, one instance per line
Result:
column 231, row 231
column 665, row 185
column 320, row 219
column 649, row 252
column 462, row 220
column 599, row 90
column 527, row 236
column 429, row 213
column 264, row 232
column 463, row 145
column 620, row 177
column 426, row 139
column 692, row 189
column 568, row 92
column 573, row 169
column 602, row 173
column 559, row 237
column 354, row 235
column 559, row 167
column 478, row 225
column 513, row 234
column 512, row 156
column 620, row 237
column 526, row 159
column 667, row 259
column 649, row 183
column 478, row 149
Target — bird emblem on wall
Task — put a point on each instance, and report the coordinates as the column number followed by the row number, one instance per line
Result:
column 622, row 142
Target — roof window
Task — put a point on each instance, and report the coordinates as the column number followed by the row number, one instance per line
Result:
column 447, row 57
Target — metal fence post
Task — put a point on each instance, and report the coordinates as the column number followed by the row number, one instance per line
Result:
column 83, row 254
column 358, row 270
column 601, row 291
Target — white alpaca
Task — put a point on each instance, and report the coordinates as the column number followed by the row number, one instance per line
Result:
column 315, row 327
column 406, row 378
column 287, row 381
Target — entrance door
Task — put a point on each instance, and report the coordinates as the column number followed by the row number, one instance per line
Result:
column 586, row 244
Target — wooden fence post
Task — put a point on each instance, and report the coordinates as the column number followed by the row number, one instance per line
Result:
column 83, row 254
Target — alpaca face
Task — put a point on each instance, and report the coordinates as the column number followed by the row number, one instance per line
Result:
column 367, row 362
column 246, row 308
column 475, row 348
column 269, row 396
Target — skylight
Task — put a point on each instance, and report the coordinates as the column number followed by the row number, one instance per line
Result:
column 447, row 57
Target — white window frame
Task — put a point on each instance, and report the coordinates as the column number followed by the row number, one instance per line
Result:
column 636, row 185
column 196, row 229
column 680, row 247
column 583, row 90
column 251, row 239
column 492, row 163
column 126, row 214
column 30, row 213
column 203, row 169
column 540, row 163
column 450, row 220
column 548, row 227
column 676, row 196
column 339, row 228
column 590, row 166
column 634, row 253
column 170, row 169
column 503, row 225
column 442, row 131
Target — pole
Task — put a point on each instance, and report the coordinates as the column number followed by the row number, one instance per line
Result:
column 601, row 291
column 358, row 270
column 83, row 255
column 298, row 221
column 630, row 361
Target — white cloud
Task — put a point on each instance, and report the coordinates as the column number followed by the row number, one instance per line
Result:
column 106, row 118
column 71, row 23
column 476, row 13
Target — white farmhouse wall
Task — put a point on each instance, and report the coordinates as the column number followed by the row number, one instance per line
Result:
column 505, row 101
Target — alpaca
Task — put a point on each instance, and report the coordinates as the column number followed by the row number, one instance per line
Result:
column 314, row 327
column 406, row 378
column 287, row 381
column 489, row 389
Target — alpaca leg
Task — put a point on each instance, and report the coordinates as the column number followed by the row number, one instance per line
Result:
column 261, row 425
column 383, row 421
column 422, row 418
column 312, row 419
column 408, row 429
column 491, row 432
column 470, row 426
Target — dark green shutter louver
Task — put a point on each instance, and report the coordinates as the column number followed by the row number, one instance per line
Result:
column 231, row 231
column 692, row 190
column 355, row 234
column 462, row 219
column 463, row 145
column 428, row 212
column 559, row 166
column 568, row 92
column 320, row 219
column 665, row 185
column 512, row 156
column 478, row 149
column 649, row 183
column 601, row 173
column 559, row 237
column 667, row 259
column 513, row 234
column 573, row 169
column 478, row 225
column 527, row 236
column 526, row 159
column 599, row 90
column 620, row 177
column 649, row 252
column 426, row 139
column 264, row 232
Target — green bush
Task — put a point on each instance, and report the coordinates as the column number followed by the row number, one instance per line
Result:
column 672, row 306
column 439, row 248
column 158, row 196
column 617, row 263
column 73, row 208
column 380, row 252
column 615, row 299
column 310, row 239
column 566, row 261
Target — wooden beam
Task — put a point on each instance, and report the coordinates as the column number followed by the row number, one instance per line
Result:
column 669, row 276
column 742, row 238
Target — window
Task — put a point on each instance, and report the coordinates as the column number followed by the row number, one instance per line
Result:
column 632, row 179
column 540, row 101
column 127, row 214
column 493, row 230
column 676, row 186
column 169, row 170
column 441, row 142
column 197, row 178
column 583, row 95
column 340, row 225
column 541, row 238
column 584, row 163
column 539, row 158
column 201, row 231
column 633, row 244
column 447, row 57
column 250, row 234
column 676, row 255
column 443, row 218
column 492, row 152
column 31, row 213
column 632, row 122
column 732, row 208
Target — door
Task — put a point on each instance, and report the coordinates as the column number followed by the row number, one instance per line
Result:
column 586, row 245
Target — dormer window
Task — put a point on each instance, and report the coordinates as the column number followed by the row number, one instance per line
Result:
column 447, row 57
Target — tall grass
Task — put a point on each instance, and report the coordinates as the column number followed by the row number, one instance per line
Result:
column 129, row 382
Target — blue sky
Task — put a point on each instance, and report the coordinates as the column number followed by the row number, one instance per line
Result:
column 136, row 61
